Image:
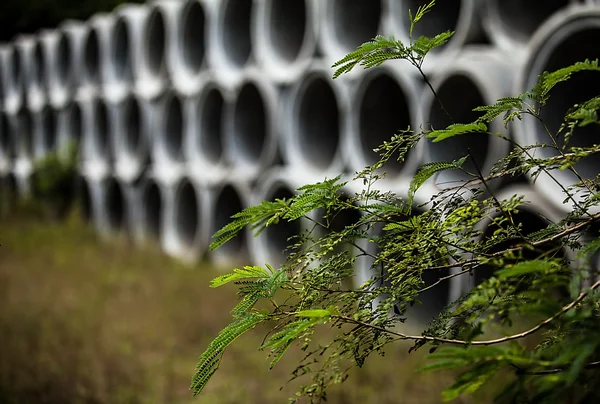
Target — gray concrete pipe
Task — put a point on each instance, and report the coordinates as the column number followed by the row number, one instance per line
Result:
column 562, row 40
column 285, row 37
column 34, row 64
column 7, row 144
column 204, row 133
column 461, row 16
column 230, row 51
column 132, row 118
column 98, row 137
column 45, row 124
column 13, row 78
column 96, row 55
column 481, row 76
column 383, row 102
column 150, row 205
column 250, row 143
column 62, row 60
column 313, row 122
column 70, row 127
column 168, row 136
column 511, row 24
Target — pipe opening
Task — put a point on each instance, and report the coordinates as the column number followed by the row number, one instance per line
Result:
column 6, row 140
column 172, row 130
column 318, row 123
column 115, row 205
column 75, row 124
column 236, row 31
column 287, row 27
column 187, row 218
column 63, row 60
column 193, row 37
column 276, row 236
column 39, row 63
column 48, row 129
column 355, row 22
column 580, row 88
column 461, row 110
column 84, row 200
column 16, row 63
column 25, row 132
column 383, row 111
column 100, row 138
column 229, row 203
column 155, row 43
column 91, row 57
column 152, row 210
column 209, row 116
column 442, row 17
column 121, row 51
column 133, row 126
column 249, row 124
column 520, row 19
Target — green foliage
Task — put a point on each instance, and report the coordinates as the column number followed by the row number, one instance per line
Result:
column 529, row 279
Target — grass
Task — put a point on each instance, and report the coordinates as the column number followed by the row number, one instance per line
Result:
column 86, row 321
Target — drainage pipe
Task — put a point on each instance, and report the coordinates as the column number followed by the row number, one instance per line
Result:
column 34, row 70
column 481, row 75
column 314, row 122
column 70, row 127
column 285, row 36
column 383, row 102
column 562, row 40
column 151, row 206
column 96, row 48
column 250, row 143
column 22, row 126
column 44, row 131
column 204, row 133
column 169, row 130
column 71, row 72
column 7, row 143
column 98, row 138
column 13, row 78
column 61, row 63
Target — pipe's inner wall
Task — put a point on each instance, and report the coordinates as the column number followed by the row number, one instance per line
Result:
column 91, row 57
column 520, row 19
column 209, row 116
column 187, row 214
column 581, row 87
column 63, row 60
column 276, row 236
column 101, row 136
column 443, row 17
column 173, row 127
column 383, row 112
column 286, row 27
column 355, row 22
column 6, row 139
column 193, row 36
column 229, row 203
column 133, row 126
column 318, row 123
column 155, row 43
column 115, row 205
column 461, row 110
column 121, row 51
column 75, row 124
column 39, row 64
column 249, row 125
column 16, row 63
column 237, row 42
column 24, row 135
column 48, row 129
column 153, row 210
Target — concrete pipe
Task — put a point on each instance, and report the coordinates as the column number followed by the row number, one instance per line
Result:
column 285, row 37
column 22, row 125
column 188, row 54
column 269, row 246
column 224, row 201
column 169, row 125
column 250, row 127
column 314, row 121
column 482, row 76
column 186, row 226
column 125, row 50
column 347, row 24
column 45, row 132
column 204, row 133
column 98, row 135
column 132, row 119
column 60, row 66
column 383, row 102
column 33, row 69
column 70, row 70
column 511, row 24
column 7, row 143
column 230, row 50
column 461, row 16
column 562, row 40
column 157, row 41
column 113, row 209
column 13, row 78
column 70, row 127
column 96, row 56
column 151, row 207
column 535, row 214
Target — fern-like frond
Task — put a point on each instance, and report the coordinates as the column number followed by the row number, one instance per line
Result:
column 423, row 45
column 210, row 359
column 547, row 81
column 456, row 130
column 281, row 341
column 504, row 106
column 240, row 273
column 314, row 196
column 427, row 170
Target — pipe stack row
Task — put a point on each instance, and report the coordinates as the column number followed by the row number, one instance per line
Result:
column 187, row 111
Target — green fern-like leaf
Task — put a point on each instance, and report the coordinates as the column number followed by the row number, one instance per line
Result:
column 210, row 359
column 281, row 341
column 314, row 196
column 423, row 45
column 506, row 106
column 238, row 274
column 427, row 170
column 456, row 130
column 547, row 81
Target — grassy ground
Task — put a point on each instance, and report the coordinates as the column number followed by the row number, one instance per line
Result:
column 85, row 321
